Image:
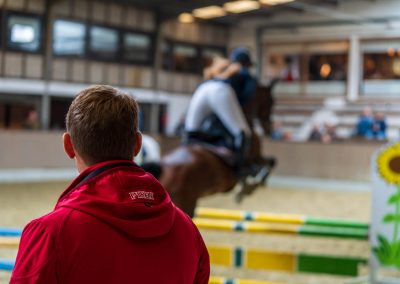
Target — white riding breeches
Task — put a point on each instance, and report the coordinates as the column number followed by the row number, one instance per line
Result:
column 219, row 98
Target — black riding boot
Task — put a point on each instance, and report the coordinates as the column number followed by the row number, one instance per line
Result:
column 242, row 147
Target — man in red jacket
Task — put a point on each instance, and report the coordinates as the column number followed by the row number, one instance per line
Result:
column 115, row 223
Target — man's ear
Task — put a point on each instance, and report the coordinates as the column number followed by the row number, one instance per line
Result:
column 68, row 148
column 138, row 143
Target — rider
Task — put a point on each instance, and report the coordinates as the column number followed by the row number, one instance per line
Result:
column 242, row 81
column 216, row 96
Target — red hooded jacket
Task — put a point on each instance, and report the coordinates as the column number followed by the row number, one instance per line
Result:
column 114, row 224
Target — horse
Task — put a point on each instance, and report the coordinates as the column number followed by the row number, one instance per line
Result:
column 196, row 170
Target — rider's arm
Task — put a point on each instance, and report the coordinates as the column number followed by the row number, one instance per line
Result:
column 232, row 69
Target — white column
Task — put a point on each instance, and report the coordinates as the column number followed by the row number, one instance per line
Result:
column 354, row 69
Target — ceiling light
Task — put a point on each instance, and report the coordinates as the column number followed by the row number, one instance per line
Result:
column 209, row 12
column 241, row 6
column 275, row 2
column 186, row 18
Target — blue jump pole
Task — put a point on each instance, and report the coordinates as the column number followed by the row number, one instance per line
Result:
column 10, row 232
column 6, row 264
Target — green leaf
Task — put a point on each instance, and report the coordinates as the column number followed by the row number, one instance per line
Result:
column 388, row 253
column 395, row 198
column 391, row 218
column 383, row 249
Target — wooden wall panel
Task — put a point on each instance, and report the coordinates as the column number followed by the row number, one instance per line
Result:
column 162, row 80
column 34, row 66
column 113, row 74
column 96, row 72
column 131, row 19
column 129, row 76
column 61, row 8
column 15, row 4
column 115, row 14
column 178, row 83
column 197, row 33
column 78, row 70
column 13, row 64
column 98, row 11
column 36, row 6
column 146, row 21
column 60, row 70
column 167, row 29
column 345, row 161
column 80, row 9
column 194, row 81
column 145, row 77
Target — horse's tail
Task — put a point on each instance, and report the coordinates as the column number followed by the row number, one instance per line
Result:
column 154, row 168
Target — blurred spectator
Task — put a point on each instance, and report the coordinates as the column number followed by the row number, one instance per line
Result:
column 325, row 133
column 316, row 133
column 277, row 132
column 329, row 134
column 32, row 121
column 364, row 124
column 379, row 126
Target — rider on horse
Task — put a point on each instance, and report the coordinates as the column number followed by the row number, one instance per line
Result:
column 220, row 99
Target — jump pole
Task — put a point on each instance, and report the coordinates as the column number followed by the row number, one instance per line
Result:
column 6, row 264
column 223, row 280
column 266, row 228
column 7, row 242
column 10, row 232
column 239, row 257
column 240, row 215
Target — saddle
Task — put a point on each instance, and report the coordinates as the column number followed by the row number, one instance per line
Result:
column 214, row 137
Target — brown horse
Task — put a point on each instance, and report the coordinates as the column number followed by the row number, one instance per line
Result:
column 193, row 171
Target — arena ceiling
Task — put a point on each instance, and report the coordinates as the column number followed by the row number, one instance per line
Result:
column 173, row 8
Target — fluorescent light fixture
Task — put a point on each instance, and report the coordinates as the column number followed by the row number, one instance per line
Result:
column 186, row 18
column 241, row 6
column 209, row 12
column 275, row 2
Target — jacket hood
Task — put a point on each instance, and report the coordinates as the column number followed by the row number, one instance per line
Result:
column 124, row 196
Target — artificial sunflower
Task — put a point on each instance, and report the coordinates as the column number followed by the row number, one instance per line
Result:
column 389, row 164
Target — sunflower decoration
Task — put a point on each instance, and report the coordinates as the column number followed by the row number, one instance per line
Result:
column 389, row 164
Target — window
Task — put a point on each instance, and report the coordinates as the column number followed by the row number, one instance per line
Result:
column 189, row 58
column 185, row 58
column 380, row 66
column 24, row 32
column 181, row 57
column 166, row 49
column 327, row 67
column 104, row 42
column 137, row 47
column 58, row 112
column 381, row 59
column 284, row 66
column 69, row 38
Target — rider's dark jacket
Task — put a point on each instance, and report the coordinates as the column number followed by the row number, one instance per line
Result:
column 118, row 226
column 244, row 85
